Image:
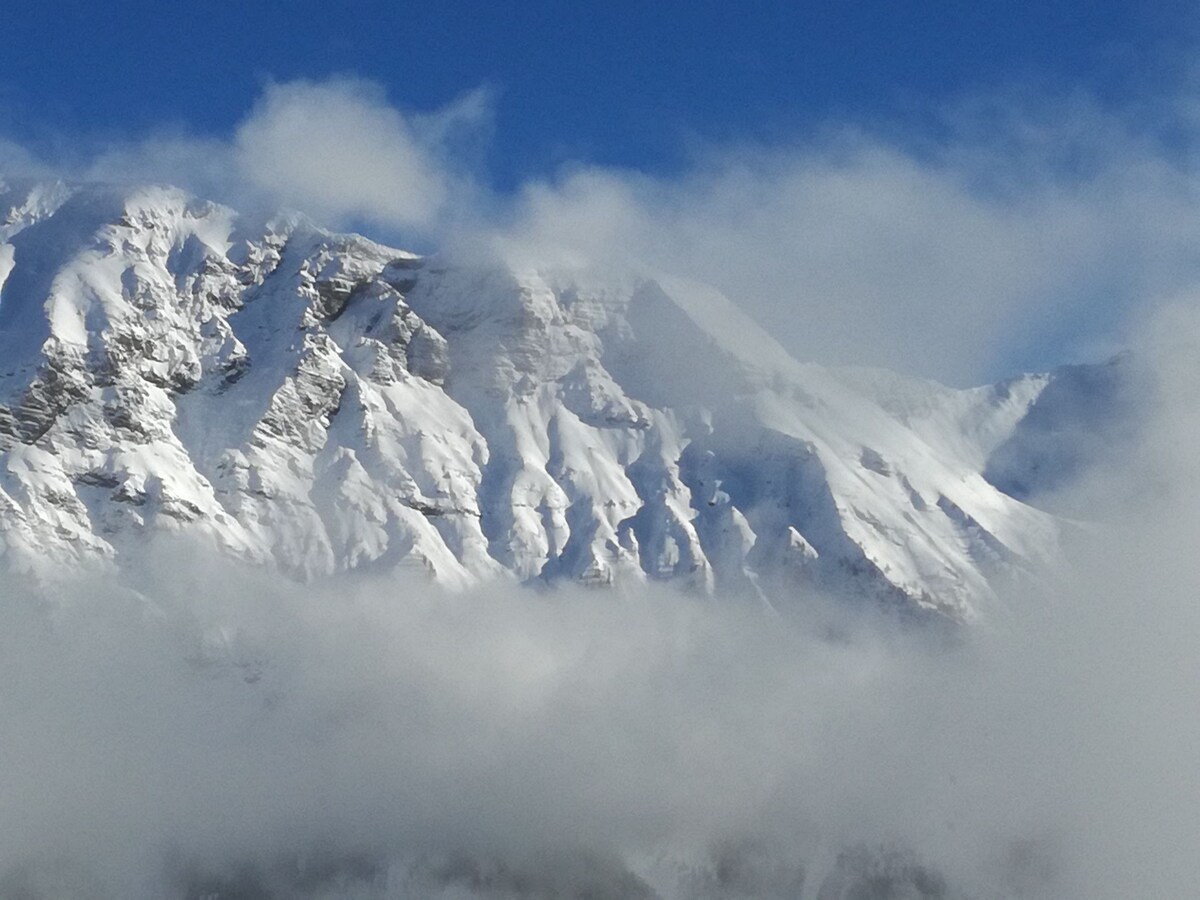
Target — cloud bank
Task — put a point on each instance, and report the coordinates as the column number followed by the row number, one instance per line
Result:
column 336, row 150
column 187, row 734
column 1009, row 244
column 199, row 731
column 1013, row 231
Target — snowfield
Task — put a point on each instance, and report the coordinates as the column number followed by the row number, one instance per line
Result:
column 319, row 403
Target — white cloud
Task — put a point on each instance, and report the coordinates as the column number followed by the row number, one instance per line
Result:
column 373, row 739
column 1030, row 230
column 338, row 149
column 1006, row 242
column 202, row 165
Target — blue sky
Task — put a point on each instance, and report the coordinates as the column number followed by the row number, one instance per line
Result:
column 622, row 83
column 960, row 190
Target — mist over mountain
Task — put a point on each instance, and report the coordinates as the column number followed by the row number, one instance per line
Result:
column 333, row 570
column 586, row 451
column 319, row 403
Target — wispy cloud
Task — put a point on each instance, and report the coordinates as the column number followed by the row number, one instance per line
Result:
column 339, row 150
column 192, row 731
column 1015, row 231
column 336, row 149
column 1004, row 242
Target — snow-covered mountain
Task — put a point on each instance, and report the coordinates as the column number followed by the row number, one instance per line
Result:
column 321, row 403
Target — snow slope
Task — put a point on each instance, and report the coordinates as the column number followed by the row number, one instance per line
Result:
column 320, row 403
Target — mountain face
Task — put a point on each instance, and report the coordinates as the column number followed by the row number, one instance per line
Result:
column 320, row 403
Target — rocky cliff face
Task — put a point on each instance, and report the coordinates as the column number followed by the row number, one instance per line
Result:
column 320, row 403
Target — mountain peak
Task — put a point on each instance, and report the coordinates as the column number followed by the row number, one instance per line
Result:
column 320, row 402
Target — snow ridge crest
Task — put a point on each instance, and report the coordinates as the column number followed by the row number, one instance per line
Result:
column 321, row 403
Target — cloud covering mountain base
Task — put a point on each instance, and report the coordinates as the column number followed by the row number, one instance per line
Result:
column 198, row 730
column 187, row 734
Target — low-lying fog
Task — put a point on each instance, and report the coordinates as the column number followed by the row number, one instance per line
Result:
column 194, row 730
column 197, row 730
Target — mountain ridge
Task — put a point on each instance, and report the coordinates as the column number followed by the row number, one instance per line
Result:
column 320, row 403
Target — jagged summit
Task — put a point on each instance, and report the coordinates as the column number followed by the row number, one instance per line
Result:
column 321, row 403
